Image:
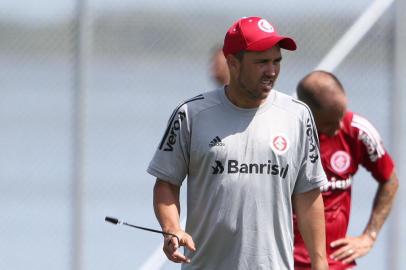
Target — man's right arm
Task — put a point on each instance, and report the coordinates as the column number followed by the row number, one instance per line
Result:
column 167, row 211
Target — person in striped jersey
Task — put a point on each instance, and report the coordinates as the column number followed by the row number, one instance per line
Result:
column 347, row 141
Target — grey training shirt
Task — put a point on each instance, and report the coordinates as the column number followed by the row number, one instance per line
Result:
column 242, row 167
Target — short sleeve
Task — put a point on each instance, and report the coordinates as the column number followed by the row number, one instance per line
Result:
column 373, row 155
column 171, row 159
column 311, row 174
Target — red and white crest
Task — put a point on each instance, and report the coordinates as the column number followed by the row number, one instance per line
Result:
column 340, row 161
column 280, row 144
column 265, row 26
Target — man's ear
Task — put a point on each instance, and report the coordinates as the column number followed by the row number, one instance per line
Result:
column 233, row 63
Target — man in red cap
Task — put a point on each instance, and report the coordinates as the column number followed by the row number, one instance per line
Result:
column 250, row 154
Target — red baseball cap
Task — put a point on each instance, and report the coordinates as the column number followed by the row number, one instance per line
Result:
column 254, row 34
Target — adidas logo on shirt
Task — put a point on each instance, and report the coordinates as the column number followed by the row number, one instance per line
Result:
column 216, row 142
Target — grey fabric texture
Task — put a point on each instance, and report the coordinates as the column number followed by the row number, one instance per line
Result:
column 242, row 167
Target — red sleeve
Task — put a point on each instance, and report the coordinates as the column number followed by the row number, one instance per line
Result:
column 372, row 154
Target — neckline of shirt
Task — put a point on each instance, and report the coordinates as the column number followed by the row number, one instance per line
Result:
column 244, row 111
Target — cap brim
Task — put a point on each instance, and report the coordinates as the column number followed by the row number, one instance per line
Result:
column 267, row 43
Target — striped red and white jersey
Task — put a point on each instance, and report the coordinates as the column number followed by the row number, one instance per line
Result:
column 356, row 143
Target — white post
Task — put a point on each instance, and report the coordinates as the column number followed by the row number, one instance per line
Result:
column 352, row 37
column 82, row 34
column 397, row 244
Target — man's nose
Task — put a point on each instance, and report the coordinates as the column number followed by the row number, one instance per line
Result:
column 271, row 69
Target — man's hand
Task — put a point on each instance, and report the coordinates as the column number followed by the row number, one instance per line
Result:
column 167, row 211
column 352, row 248
column 171, row 246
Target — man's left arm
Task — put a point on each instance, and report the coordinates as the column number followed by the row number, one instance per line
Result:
column 309, row 209
column 355, row 247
